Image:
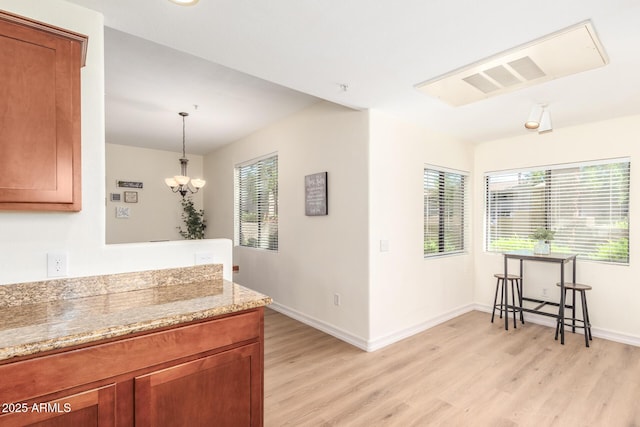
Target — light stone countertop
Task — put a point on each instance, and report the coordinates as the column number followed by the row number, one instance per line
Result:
column 84, row 310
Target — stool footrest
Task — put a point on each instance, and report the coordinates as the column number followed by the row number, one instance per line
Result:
column 568, row 323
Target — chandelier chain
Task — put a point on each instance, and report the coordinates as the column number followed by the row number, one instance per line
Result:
column 184, row 155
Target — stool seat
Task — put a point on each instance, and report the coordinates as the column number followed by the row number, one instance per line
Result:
column 576, row 286
column 509, row 276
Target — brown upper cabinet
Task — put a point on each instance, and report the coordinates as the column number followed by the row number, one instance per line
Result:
column 40, row 167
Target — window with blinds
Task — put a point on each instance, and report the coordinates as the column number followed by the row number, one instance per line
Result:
column 256, row 204
column 586, row 205
column 445, row 211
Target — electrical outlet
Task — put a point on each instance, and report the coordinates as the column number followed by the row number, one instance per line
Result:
column 545, row 292
column 204, row 258
column 56, row 264
column 336, row 300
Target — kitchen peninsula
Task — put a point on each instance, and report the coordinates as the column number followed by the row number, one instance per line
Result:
column 147, row 348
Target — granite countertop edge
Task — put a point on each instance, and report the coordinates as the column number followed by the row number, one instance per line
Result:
column 40, row 317
column 126, row 329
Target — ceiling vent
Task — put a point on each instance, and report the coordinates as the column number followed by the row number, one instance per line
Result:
column 562, row 53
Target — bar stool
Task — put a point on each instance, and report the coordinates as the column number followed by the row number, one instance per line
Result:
column 586, row 323
column 500, row 284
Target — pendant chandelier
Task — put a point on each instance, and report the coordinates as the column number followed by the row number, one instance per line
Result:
column 182, row 183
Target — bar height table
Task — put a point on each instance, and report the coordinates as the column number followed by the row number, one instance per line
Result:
column 527, row 255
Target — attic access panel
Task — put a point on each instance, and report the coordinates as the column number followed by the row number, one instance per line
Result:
column 565, row 52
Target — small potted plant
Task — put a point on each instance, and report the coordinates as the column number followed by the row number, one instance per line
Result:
column 543, row 236
column 193, row 220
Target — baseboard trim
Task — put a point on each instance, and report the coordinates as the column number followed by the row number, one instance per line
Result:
column 606, row 334
column 378, row 343
column 394, row 337
column 345, row 336
column 361, row 343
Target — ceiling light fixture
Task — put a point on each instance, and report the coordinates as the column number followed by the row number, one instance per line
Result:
column 539, row 119
column 533, row 122
column 184, row 2
column 545, row 123
column 180, row 183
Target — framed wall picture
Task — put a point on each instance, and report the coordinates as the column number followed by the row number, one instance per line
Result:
column 131, row 197
column 316, row 194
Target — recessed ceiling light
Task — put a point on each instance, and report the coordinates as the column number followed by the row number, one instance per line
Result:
column 184, row 2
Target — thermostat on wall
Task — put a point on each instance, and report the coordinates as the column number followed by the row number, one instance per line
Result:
column 122, row 212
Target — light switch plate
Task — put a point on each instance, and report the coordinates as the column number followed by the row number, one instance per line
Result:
column 204, row 258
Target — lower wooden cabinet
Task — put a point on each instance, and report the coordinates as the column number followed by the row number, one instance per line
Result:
column 200, row 374
column 175, row 396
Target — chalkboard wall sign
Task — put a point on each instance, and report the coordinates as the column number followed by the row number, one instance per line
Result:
column 315, row 194
column 129, row 184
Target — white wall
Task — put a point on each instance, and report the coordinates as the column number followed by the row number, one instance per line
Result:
column 158, row 212
column 614, row 302
column 26, row 237
column 408, row 292
column 318, row 256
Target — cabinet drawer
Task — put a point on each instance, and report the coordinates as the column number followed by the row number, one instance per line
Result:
column 92, row 407
column 47, row 374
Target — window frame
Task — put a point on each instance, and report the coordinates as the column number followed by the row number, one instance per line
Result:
column 554, row 201
column 269, row 244
column 461, row 202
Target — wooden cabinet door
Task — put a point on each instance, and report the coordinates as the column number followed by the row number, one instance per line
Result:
column 39, row 116
column 224, row 389
column 90, row 408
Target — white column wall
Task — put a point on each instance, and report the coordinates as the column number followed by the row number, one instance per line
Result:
column 318, row 256
column 408, row 292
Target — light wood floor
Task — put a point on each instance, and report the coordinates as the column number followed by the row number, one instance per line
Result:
column 465, row 372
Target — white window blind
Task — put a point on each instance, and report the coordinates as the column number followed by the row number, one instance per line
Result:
column 256, row 204
column 586, row 205
column 445, row 213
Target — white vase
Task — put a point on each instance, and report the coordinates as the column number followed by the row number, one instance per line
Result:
column 541, row 248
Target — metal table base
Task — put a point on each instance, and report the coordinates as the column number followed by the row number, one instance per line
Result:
column 562, row 259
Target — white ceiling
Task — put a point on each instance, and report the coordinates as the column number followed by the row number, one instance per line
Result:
column 380, row 49
column 148, row 84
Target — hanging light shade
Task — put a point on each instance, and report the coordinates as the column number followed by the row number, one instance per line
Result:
column 182, row 183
